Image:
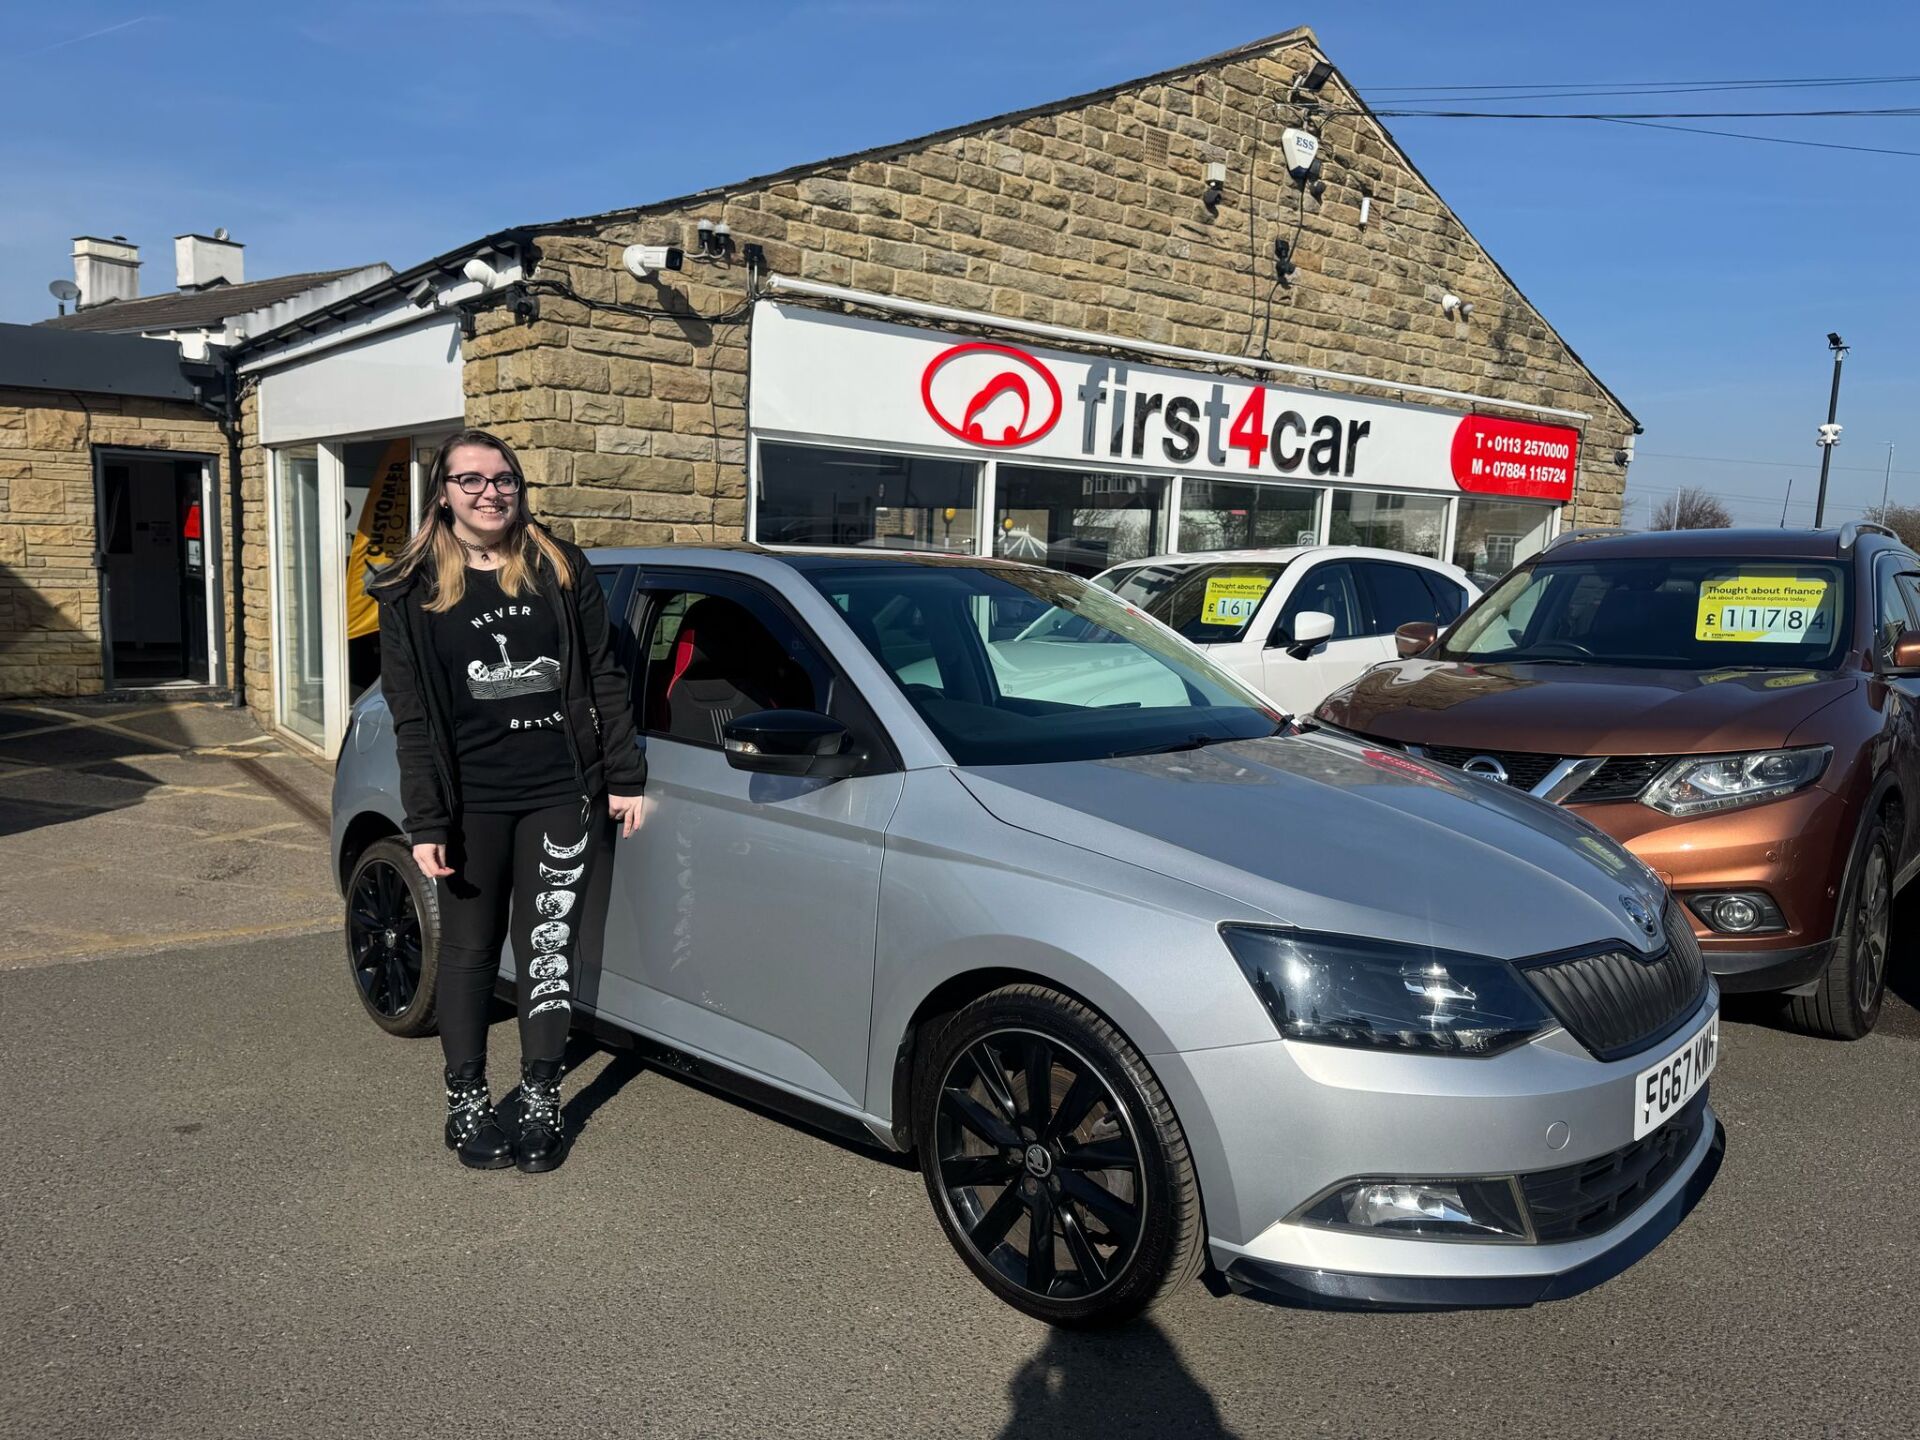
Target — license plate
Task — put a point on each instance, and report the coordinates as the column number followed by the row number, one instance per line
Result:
column 1662, row 1091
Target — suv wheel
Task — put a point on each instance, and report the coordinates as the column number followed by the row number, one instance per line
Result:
column 393, row 938
column 1054, row 1159
column 1847, row 997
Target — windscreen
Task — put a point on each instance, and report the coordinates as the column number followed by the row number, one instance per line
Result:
column 1084, row 676
column 1210, row 603
column 1663, row 613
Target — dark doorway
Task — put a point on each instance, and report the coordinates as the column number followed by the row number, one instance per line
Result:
column 152, row 556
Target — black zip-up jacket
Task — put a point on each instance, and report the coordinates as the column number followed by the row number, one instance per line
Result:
column 596, row 691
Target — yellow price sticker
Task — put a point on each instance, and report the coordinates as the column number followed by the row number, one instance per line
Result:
column 1766, row 610
column 1232, row 599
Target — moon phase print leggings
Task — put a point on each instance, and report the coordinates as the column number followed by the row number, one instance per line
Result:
column 535, row 868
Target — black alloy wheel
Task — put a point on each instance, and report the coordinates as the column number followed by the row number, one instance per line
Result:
column 392, row 939
column 1053, row 1159
column 1847, row 998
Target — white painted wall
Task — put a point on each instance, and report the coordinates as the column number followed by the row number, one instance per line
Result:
column 399, row 379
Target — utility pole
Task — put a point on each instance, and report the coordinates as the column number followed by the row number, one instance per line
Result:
column 1884, row 484
column 1783, row 502
column 1829, row 432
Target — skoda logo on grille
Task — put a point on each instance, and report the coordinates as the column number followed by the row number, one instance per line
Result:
column 1640, row 915
column 1487, row 766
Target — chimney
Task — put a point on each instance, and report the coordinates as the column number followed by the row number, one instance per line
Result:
column 105, row 269
column 200, row 261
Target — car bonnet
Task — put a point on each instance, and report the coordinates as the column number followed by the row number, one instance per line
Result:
column 1327, row 834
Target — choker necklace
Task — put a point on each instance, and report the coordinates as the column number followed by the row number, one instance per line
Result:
column 485, row 552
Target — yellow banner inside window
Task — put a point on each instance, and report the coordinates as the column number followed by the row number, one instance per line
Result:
column 1232, row 599
column 1765, row 610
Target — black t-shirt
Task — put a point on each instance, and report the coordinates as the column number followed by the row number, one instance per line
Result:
column 502, row 653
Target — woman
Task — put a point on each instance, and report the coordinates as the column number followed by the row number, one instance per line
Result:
column 515, row 735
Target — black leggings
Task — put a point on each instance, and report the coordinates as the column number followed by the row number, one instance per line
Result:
column 546, row 862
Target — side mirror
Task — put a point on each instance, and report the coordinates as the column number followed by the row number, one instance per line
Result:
column 1906, row 651
column 791, row 742
column 1414, row 636
column 1310, row 628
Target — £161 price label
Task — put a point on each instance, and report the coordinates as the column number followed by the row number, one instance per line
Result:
column 1232, row 599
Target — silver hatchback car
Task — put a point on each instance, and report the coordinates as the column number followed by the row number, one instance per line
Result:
column 1155, row 981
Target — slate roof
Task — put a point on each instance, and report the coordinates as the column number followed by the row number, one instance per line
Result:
column 192, row 309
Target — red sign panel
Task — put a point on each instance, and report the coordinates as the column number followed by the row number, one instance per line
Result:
column 988, row 394
column 1492, row 456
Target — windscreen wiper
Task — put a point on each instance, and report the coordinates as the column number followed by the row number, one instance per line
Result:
column 1170, row 747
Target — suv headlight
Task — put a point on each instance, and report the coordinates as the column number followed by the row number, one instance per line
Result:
column 1375, row 994
column 1693, row 787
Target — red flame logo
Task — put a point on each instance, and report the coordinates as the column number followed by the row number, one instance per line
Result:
column 1014, row 385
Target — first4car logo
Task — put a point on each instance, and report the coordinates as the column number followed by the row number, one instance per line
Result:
column 989, row 394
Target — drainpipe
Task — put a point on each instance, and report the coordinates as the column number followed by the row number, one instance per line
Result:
column 230, row 425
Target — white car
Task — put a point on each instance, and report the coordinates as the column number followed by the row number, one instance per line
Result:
column 1295, row 623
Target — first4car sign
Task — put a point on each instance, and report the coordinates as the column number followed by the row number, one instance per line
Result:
column 821, row 375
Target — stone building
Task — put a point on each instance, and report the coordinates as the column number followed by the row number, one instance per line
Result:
column 1093, row 330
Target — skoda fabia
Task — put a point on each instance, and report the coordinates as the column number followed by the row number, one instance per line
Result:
column 1154, row 981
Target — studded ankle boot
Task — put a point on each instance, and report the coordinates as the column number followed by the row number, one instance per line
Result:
column 543, row 1133
column 474, row 1131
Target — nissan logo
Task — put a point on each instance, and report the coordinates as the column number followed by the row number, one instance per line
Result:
column 990, row 394
column 1487, row 767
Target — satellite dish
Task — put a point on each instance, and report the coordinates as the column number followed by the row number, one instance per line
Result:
column 64, row 290
column 221, row 233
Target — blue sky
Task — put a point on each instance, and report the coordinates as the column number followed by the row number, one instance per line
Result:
column 1697, row 275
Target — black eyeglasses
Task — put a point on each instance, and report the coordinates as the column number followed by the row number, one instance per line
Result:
column 506, row 483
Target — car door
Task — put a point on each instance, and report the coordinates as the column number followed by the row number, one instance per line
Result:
column 1395, row 594
column 1299, row 680
column 743, row 913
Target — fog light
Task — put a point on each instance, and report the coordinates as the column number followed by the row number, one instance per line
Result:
column 1745, row 912
column 1477, row 1209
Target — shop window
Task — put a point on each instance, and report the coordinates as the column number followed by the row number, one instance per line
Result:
column 1229, row 515
column 1413, row 523
column 1077, row 521
column 814, row 496
column 1492, row 536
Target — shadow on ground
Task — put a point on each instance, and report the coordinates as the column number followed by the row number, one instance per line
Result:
column 1106, row 1384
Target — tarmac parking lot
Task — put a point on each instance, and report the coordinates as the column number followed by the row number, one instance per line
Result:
column 228, row 1213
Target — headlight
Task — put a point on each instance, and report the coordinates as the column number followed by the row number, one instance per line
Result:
column 1373, row 994
column 1692, row 787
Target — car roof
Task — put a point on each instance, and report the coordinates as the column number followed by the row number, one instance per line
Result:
column 797, row 557
column 1750, row 541
column 1283, row 554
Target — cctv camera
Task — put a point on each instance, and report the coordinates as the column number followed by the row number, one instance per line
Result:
column 421, row 295
column 480, row 272
column 643, row 260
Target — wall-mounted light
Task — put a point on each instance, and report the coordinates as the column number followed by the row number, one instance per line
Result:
column 1456, row 308
column 712, row 242
column 1216, row 186
column 1315, row 80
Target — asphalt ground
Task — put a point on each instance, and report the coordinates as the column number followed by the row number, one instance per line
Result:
column 129, row 826
column 227, row 1212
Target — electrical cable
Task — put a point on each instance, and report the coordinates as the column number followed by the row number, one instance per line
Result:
column 1293, row 246
column 732, row 316
column 1904, row 111
column 1556, row 90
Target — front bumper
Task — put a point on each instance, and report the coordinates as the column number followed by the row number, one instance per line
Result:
column 1272, row 1126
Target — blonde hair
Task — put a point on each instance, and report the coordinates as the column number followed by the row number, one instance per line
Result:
column 435, row 549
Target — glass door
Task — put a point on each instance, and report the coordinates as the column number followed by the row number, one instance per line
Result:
column 309, row 623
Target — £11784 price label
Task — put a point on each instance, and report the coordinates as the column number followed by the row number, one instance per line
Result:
column 1765, row 609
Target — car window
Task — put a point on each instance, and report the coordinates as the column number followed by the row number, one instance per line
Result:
column 712, row 658
column 1398, row 595
column 1329, row 588
column 1890, row 607
column 1910, row 588
column 1211, row 603
column 1663, row 612
column 1104, row 681
column 1449, row 598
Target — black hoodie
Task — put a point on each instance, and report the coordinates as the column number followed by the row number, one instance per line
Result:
column 596, row 691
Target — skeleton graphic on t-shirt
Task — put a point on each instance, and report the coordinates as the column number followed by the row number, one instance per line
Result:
column 512, row 677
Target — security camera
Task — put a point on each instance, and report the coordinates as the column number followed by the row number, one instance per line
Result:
column 644, row 260
column 480, row 272
column 421, row 295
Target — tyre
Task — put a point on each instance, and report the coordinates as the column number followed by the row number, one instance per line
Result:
column 393, row 938
column 1053, row 1159
column 1846, row 1000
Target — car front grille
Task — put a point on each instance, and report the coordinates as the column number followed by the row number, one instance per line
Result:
column 1524, row 770
column 1622, row 778
column 1615, row 1001
column 1576, row 1201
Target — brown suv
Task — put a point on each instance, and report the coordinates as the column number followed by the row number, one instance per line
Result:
column 1736, row 707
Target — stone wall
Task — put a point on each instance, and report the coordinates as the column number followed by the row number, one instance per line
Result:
column 49, row 590
column 1086, row 215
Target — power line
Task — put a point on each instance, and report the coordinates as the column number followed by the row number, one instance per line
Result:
column 1849, row 114
column 1673, row 86
column 1771, row 464
column 1768, row 139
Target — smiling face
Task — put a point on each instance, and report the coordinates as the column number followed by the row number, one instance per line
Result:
column 489, row 515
